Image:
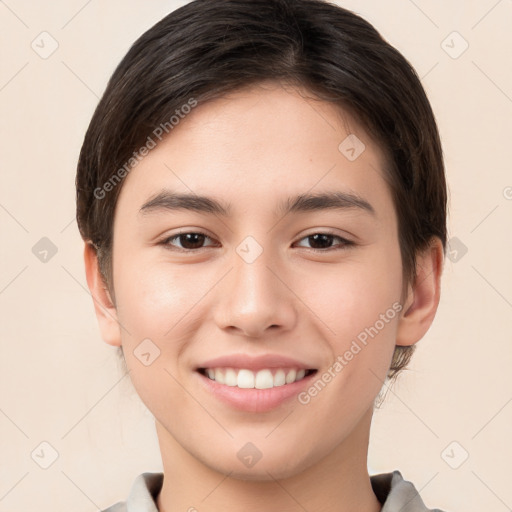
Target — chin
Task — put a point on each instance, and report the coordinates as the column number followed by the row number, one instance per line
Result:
column 261, row 475
column 263, row 470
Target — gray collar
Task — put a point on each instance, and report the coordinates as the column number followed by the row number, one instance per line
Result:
column 395, row 494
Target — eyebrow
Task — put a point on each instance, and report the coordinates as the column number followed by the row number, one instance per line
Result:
column 167, row 200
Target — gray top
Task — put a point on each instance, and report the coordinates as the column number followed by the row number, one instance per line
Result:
column 395, row 494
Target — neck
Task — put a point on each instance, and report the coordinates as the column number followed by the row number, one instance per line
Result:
column 337, row 483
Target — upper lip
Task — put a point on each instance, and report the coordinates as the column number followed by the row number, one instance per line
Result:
column 254, row 363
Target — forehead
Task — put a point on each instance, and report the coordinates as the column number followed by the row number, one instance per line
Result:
column 265, row 142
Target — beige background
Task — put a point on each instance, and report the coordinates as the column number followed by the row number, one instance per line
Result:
column 60, row 384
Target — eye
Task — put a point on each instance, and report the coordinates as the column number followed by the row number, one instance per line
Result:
column 189, row 241
column 324, row 241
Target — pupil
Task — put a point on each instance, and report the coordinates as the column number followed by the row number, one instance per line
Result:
column 191, row 236
column 317, row 237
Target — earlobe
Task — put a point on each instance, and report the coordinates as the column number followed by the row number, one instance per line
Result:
column 103, row 306
column 423, row 297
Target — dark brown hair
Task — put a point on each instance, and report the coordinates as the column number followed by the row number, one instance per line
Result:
column 207, row 49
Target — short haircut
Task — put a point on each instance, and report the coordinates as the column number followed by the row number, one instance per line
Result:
column 207, row 49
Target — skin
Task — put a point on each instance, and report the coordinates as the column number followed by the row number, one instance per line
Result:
column 251, row 151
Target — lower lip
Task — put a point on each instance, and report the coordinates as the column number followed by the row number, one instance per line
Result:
column 254, row 400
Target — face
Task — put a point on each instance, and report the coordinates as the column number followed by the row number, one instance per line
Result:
column 312, row 285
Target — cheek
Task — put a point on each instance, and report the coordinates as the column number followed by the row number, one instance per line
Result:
column 359, row 308
column 352, row 295
column 155, row 298
column 155, row 305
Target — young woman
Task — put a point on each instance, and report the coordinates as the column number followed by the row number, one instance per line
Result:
column 262, row 197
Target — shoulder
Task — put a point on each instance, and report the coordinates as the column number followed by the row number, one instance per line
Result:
column 118, row 507
column 143, row 493
column 397, row 494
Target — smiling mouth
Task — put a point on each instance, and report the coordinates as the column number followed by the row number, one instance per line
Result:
column 262, row 379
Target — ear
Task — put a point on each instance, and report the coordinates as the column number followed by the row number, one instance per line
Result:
column 422, row 299
column 103, row 306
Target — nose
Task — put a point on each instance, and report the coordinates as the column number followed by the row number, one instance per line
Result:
column 255, row 298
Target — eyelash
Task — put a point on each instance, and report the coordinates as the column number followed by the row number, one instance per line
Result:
column 345, row 243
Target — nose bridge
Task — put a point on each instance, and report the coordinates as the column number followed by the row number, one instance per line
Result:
column 255, row 298
column 253, row 282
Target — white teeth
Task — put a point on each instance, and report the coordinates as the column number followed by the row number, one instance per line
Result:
column 245, row 379
column 290, row 376
column 279, row 378
column 219, row 376
column 230, row 378
column 262, row 379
